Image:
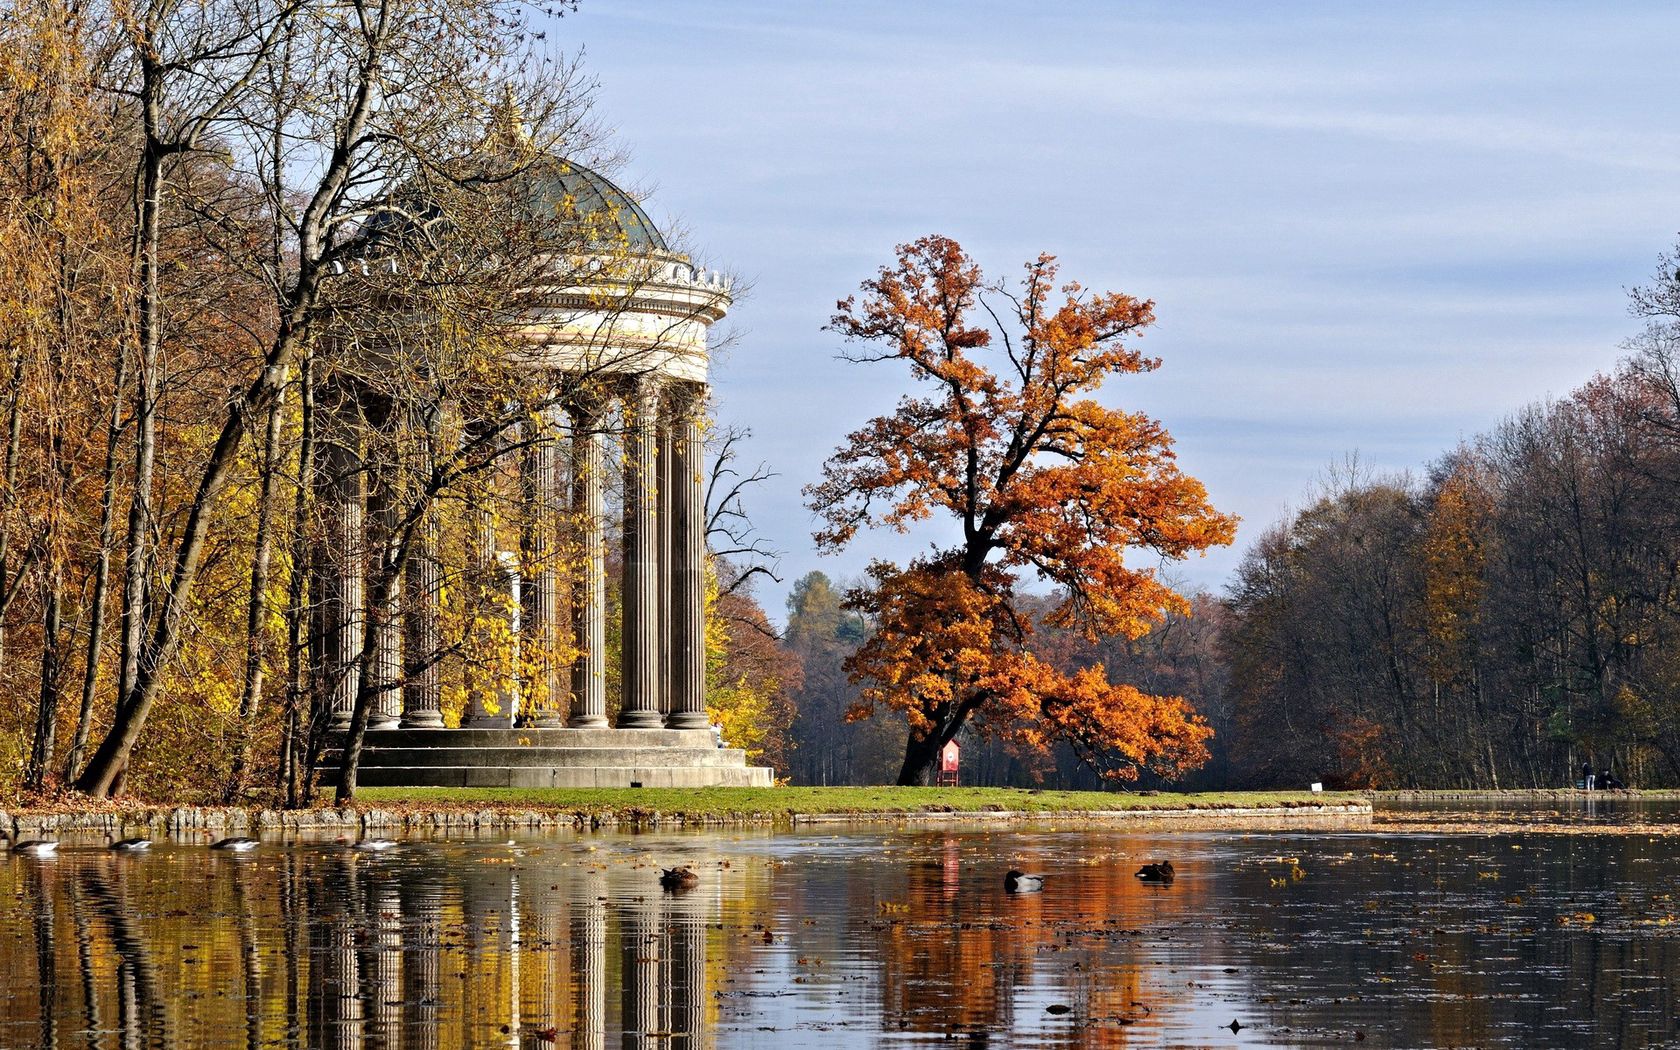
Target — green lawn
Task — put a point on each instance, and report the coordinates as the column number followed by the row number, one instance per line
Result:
column 788, row 801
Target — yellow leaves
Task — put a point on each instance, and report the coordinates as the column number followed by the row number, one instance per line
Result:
column 1293, row 872
column 1453, row 560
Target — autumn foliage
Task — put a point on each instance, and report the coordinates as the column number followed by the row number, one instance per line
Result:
column 1005, row 437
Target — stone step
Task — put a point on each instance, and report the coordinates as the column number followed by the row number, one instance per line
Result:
column 556, row 757
column 565, row 776
column 533, row 737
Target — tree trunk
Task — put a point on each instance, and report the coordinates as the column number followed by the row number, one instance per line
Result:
column 394, row 547
column 46, row 715
column 9, row 577
column 137, row 551
column 109, row 760
column 297, row 669
column 101, row 574
column 379, row 593
column 920, row 755
column 297, row 300
column 250, row 697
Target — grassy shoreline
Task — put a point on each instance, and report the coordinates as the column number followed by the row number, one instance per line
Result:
column 778, row 803
column 724, row 803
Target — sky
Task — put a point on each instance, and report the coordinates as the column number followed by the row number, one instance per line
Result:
column 1369, row 228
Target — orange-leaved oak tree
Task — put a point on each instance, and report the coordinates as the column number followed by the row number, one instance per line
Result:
column 1004, row 435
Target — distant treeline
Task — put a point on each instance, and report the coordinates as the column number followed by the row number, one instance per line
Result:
column 1497, row 622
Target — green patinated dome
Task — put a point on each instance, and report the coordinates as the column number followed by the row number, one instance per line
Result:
column 551, row 186
column 593, row 199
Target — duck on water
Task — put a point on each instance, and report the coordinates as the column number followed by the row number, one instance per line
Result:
column 1160, row 871
column 371, row 845
column 1021, row 882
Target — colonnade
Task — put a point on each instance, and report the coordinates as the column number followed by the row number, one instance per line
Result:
column 562, row 473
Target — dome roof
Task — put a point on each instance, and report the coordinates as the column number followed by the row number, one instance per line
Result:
column 552, row 185
column 592, row 198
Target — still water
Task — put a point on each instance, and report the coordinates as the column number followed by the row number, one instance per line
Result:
column 1563, row 932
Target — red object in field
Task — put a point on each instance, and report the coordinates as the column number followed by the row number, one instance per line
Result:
column 948, row 757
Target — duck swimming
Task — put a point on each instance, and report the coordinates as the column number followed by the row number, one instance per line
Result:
column 131, row 845
column 370, row 845
column 236, row 844
column 683, row 878
column 1021, row 882
column 1160, row 871
column 36, row 848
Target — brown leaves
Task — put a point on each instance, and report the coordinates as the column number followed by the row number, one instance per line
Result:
column 1041, row 477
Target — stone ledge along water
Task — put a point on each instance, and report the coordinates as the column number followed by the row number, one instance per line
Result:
column 196, row 824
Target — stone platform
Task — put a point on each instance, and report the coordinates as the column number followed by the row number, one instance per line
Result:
column 551, row 758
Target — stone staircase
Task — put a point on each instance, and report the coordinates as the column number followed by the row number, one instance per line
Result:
column 551, row 758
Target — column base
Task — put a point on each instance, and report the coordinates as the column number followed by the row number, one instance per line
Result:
column 688, row 720
column 588, row 722
column 545, row 720
column 383, row 721
column 640, row 720
column 422, row 720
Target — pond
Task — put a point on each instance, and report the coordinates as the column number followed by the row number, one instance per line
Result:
column 1556, row 930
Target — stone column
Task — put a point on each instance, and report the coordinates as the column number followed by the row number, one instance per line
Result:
column 339, row 579
column 422, row 579
column 540, row 486
column 386, row 623
column 422, row 696
column 687, row 575
column 669, row 434
column 589, row 599
column 640, row 657
column 497, row 576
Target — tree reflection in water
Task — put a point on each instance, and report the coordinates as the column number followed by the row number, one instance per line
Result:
column 849, row 939
column 437, row 946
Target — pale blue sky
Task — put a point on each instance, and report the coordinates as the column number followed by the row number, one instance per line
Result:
column 1374, row 227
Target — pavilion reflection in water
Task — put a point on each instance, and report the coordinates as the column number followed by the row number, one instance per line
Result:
column 390, row 956
column 405, row 951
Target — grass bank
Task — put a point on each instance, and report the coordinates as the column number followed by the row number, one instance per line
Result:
column 735, row 803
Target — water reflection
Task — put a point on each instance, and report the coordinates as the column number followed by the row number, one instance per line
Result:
column 440, row 945
column 859, row 939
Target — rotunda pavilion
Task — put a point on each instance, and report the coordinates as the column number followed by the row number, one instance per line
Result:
column 639, row 324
